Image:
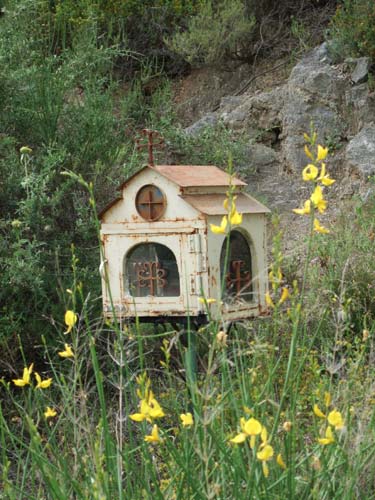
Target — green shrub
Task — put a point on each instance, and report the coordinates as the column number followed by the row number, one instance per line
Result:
column 220, row 31
column 352, row 29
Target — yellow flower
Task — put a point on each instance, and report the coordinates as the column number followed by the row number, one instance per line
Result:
column 226, row 202
column 327, row 399
column 280, row 461
column 322, row 153
column 50, row 412
column 310, row 173
column 317, row 198
column 269, row 301
column 67, row 353
column 318, row 412
column 70, row 320
column 25, row 380
column 250, row 428
column 154, row 436
column 328, row 439
column 320, row 229
column 187, row 419
column 263, row 436
column 150, row 409
column 335, row 419
column 324, row 178
column 264, row 455
column 222, row 228
column 235, row 218
column 275, row 279
column 203, row 300
column 284, row 295
column 42, row 384
column 308, row 153
column 305, row 210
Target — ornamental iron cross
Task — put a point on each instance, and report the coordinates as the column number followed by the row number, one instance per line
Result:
column 241, row 280
column 151, row 275
column 150, row 144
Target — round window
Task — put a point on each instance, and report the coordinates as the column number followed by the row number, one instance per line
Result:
column 150, row 202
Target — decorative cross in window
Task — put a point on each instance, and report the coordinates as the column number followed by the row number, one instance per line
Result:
column 240, row 281
column 151, row 275
column 150, row 135
column 150, row 202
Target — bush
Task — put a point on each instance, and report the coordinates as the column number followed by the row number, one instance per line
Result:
column 352, row 29
column 218, row 32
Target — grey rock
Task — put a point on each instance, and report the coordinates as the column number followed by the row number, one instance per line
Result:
column 360, row 73
column 263, row 110
column 315, row 93
column 360, row 152
column 209, row 120
column 360, row 106
column 260, row 156
column 231, row 102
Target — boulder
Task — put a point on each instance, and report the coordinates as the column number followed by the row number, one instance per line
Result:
column 314, row 94
column 209, row 120
column 260, row 156
column 360, row 72
column 261, row 111
column 360, row 152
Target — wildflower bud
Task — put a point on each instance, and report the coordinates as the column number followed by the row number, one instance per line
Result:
column 16, row 223
column 221, row 338
column 365, row 335
column 316, row 464
column 287, row 426
column 25, row 150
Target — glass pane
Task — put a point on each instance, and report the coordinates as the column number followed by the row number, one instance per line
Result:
column 151, row 269
column 150, row 202
column 238, row 276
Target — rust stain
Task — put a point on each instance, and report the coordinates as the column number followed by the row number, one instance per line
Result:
column 197, row 175
column 212, row 203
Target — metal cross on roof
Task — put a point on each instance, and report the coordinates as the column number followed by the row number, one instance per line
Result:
column 150, row 144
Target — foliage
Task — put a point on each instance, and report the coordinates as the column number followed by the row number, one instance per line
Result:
column 218, row 32
column 263, row 416
column 352, row 29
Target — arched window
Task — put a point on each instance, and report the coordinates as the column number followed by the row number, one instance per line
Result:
column 236, row 266
column 151, row 270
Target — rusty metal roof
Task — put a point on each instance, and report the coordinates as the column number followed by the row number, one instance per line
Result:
column 212, row 204
column 184, row 176
column 197, row 175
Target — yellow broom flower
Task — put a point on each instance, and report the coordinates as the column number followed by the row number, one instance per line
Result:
column 50, row 413
column 322, row 153
column 187, row 419
column 25, row 380
column 70, row 320
column 42, row 384
column 222, row 228
column 335, row 419
column 310, row 173
column 305, row 210
column 154, row 436
column 328, row 439
column 320, row 229
column 67, row 353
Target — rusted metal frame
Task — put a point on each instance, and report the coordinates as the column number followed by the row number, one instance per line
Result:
column 150, row 274
column 242, row 281
column 150, row 144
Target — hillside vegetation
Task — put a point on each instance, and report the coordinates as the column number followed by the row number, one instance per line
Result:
column 278, row 408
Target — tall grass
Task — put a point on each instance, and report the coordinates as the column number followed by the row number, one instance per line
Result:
column 265, row 417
